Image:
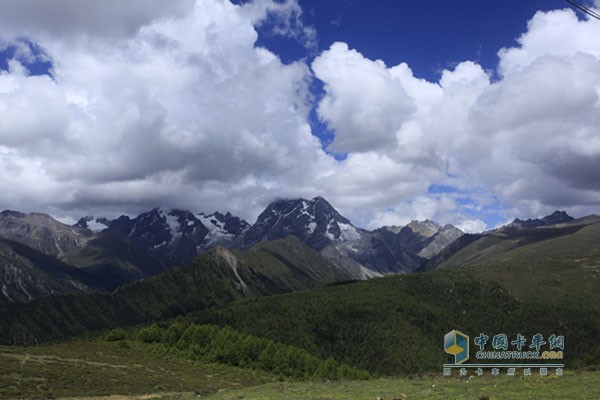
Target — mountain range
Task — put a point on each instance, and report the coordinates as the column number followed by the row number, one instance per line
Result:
column 42, row 256
column 298, row 277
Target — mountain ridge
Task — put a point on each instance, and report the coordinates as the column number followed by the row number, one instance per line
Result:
column 214, row 278
column 131, row 248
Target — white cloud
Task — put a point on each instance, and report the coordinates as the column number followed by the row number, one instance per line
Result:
column 554, row 33
column 364, row 104
column 529, row 138
column 284, row 18
column 92, row 17
column 472, row 226
column 184, row 112
column 175, row 106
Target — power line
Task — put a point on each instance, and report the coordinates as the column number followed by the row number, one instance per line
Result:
column 584, row 9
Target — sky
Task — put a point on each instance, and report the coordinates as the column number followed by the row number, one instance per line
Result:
column 465, row 112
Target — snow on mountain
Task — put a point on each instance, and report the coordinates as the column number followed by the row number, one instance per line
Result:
column 314, row 221
column 93, row 224
column 223, row 229
column 320, row 226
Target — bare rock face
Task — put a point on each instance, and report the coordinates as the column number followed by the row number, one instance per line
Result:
column 441, row 240
column 43, row 233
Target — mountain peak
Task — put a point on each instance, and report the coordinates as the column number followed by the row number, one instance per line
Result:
column 314, row 221
column 223, row 229
column 12, row 213
column 91, row 223
column 425, row 228
column 557, row 217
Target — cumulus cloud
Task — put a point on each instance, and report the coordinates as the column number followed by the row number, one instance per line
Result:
column 185, row 112
column 528, row 139
column 73, row 17
column 472, row 226
column 172, row 104
column 364, row 104
column 284, row 19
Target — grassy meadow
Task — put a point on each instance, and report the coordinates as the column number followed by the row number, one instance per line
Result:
column 128, row 370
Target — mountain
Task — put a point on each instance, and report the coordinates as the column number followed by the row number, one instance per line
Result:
column 395, row 324
column 555, row 218
column 564, row 245
column 26, row 273
column 320, row 226
column 215, row 278
column 424, row 238
column 520, row 281
column 93, row 224
column 112, row 253
column 42, row 232
column 489, row 247
column 223, row 230
column 315, row 222
column 175, row 236
column 126, row 249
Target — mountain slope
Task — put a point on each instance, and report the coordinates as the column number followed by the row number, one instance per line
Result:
column 542, row 280
column 26, row 273
column 395, row 324
column 555, row 218
column 215, row 278
column 42, row 232
column 560, row 259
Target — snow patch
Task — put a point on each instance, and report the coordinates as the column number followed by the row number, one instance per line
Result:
column 159, row 245
column 349, row 233
column 96, row 226
column 216, row 229
column 311, row 227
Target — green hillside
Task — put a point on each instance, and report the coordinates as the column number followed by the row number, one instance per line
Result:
column 215, row 278
column 396, row 324
column 26, row 273
column 555, row 264
column 544, row 280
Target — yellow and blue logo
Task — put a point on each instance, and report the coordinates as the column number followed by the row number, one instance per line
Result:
column 457, row 344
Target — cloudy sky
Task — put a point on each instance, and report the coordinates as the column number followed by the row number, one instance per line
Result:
column 465, row 112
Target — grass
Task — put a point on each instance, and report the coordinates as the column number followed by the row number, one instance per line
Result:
column 93, row 368
column 129, row 370
column 572, row 386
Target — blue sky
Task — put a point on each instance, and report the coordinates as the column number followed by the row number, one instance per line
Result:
column 428, row 35
column 465, row 112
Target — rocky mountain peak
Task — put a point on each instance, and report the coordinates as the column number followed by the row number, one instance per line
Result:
column 556, row 217
column 314, row 221
column 92, row 223
column 425, row 228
